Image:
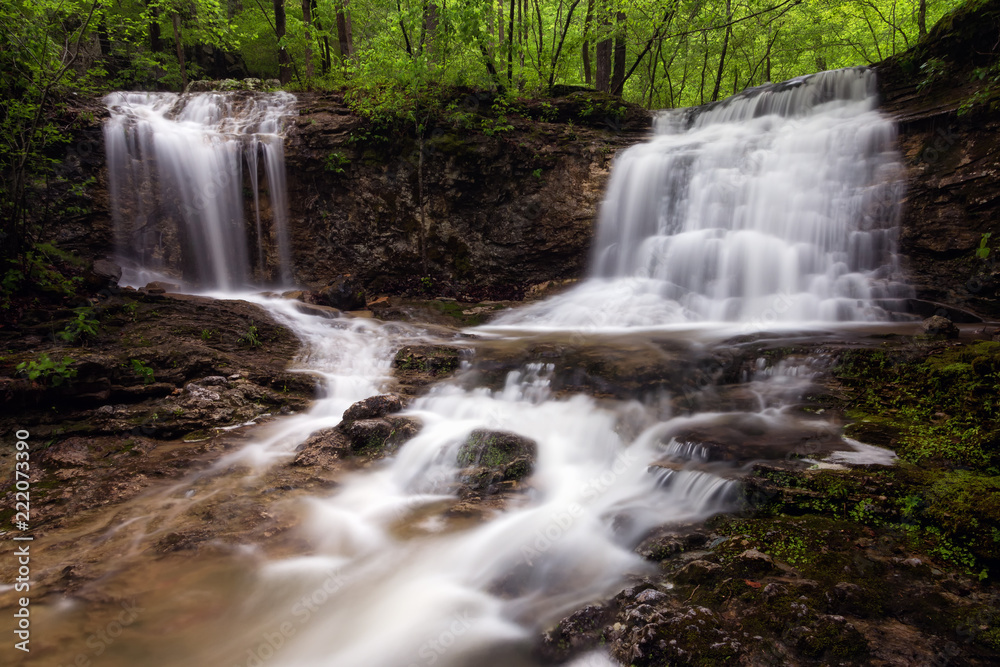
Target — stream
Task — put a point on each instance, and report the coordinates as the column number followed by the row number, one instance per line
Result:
column 769, row 216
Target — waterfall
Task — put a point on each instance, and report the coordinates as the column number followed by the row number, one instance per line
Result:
column 781, row 203
column 176, row 173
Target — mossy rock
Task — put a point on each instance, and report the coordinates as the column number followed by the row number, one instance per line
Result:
column 495, row 449
column 435, row 360
column 492, row 457
column 378, row 437
column 831, row 637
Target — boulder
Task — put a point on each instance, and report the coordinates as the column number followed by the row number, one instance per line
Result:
column 104, row 273
column 753, row 563
column 374, row 407
column 697, row 572
column 939, row 326
column 378, row 437
column 492, row 457
column 343, row 293
column 322, row 448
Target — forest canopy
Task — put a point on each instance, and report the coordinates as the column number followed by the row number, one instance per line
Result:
column 658, row 53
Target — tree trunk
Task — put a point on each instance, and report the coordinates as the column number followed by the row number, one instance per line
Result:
column 618, row 77
column 103, row 38
column 307, row 21
column 510, row 45
column 603, row 74
column 922, row 18
column 722, row 56
column 155, row 41
column 501, row 17
column 324, row 47
column 430, row 30
column 562, row 40
column 280, row 26
column 180, row 50
column 586, row 42
column 344, row 36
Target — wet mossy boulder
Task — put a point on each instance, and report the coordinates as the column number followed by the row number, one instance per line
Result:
column 371, row 429
column 379, row 437
column 493, row 457
column 374, row 407
column 433, row 359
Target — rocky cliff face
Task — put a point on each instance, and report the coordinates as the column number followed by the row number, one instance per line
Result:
column 493, row 203
column 486, row 205
column 483, row 207
column 944, row 94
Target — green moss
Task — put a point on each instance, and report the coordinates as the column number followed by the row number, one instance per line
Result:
column 455, row 310
column 489, row 453
column 952, row 516
column 940, row 404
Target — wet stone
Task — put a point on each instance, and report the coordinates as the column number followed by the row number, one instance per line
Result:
column 939, row 326
column 378, row 437
column 697, row 572
column 374, row 407
column 491, row 458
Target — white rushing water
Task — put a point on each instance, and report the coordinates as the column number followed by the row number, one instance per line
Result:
column 780, row 204
column 176, row 175
column 445, row 597
column 781, row 201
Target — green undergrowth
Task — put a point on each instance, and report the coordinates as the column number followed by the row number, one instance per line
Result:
column 391, row 110
column 936, row 405
column 39, row 275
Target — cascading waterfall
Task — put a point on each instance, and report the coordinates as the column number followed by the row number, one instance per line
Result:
column 778, row 204
column 781, row 200
column 176, row 172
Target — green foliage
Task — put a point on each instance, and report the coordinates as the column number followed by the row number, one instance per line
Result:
column 44, row 368
column 251, row 337
column 142, row 370
column 131, row 309
column 983, row 251
column 207, row 334
column 82, row 327
column 335, row 162
column 932, row 70
column 34, row 271
column 987, row 80
column 499, row 123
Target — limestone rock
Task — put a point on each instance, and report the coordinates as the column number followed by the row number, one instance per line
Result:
column 938, row 325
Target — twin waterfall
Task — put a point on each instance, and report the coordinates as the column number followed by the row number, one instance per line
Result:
column 178, row 167
column 778, row 207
